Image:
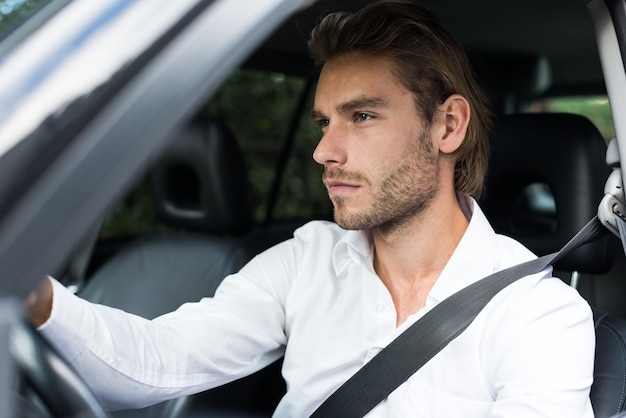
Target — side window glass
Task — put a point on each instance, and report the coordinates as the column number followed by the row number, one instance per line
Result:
column 134, row 215
column 595, row 107
column 14, row 13
column 258, row 107
column 302, row 194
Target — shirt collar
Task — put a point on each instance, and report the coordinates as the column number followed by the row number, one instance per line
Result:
column 355, row 246
column 475, row 257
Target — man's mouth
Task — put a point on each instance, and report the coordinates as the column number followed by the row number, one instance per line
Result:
column 340, row 188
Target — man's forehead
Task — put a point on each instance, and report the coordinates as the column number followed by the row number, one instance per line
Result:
column 346, row 77
column 358, row 93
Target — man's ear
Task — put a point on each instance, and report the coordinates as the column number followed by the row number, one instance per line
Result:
column 456, row 111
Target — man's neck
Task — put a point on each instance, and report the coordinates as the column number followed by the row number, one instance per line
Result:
column 410, row 258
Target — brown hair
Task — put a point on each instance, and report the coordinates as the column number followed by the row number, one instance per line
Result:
column 429, row 63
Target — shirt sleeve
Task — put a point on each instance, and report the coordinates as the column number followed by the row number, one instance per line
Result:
column 199, row 346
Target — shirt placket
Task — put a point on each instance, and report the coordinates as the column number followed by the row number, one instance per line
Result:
column 385, row 318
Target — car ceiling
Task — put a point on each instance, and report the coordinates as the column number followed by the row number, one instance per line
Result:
column 560, row 30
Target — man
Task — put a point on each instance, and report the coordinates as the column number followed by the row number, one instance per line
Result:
column 404, row 148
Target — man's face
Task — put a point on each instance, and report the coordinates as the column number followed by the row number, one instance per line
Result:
column 380, row 167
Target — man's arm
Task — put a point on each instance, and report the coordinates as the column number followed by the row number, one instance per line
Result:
column 140, row 362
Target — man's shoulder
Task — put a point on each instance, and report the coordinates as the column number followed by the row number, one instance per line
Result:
column 512, row 252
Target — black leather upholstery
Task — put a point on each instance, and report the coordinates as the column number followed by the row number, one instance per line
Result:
column 200, row 188
column 562, row 155
column 607, row 393
column 183, row 267
column 201, row 182
column 510, row 75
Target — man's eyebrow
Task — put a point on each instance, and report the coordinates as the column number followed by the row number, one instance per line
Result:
column 352, row 105
column 317, row 115
column 360, row 103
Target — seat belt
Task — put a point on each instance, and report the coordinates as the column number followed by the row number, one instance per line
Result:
column 430, row 334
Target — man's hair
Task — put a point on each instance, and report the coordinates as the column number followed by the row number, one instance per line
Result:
column 427, row 61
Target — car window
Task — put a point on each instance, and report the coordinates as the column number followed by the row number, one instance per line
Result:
column 302, row 193
column 594, row 107
column 259, row 108
column 14, row 13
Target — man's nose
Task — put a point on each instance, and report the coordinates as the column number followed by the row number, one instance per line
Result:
column 330, row 151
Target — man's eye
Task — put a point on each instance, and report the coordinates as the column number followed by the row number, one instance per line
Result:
column 362, row 117
column 322, row 123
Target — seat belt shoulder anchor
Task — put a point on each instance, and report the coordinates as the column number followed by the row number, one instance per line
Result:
column 612, row 204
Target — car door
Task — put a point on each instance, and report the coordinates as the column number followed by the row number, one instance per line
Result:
column 89, row 93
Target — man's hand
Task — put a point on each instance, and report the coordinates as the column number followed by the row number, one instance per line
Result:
column 39, row 303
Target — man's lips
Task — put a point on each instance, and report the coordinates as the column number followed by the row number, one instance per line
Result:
column 340, row 187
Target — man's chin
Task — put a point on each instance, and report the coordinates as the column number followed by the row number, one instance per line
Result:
column 352, row 222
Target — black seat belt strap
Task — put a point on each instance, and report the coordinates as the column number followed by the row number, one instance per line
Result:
column 431, row 333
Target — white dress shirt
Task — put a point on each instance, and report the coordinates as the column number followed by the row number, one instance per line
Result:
column 317, row 299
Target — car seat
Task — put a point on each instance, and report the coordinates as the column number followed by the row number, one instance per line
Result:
column 206, row 219
column 200, row 189
column 546, row 179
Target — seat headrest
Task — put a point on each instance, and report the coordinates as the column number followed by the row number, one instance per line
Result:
column 508, row 76
column 546, row 179
column 201, row 182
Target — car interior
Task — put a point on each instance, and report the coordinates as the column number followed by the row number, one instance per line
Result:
column 238, row 178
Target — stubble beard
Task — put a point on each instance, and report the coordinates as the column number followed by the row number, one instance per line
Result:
column 403, row 194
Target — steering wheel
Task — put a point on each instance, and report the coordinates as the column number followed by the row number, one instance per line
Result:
column 50, row 377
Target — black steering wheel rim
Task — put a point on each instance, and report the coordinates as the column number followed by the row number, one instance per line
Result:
column 59, row 387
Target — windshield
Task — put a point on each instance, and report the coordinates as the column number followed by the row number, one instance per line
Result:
column 61, row 66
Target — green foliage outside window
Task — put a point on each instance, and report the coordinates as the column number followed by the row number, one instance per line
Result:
column 15, row 12
column 133, row 215
column 258, row 107
column 596, row 108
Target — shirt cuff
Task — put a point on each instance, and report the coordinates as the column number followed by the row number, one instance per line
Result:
column 70, row 324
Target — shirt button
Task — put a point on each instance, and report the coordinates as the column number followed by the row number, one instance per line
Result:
column 371, row 353
column 380, row 308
